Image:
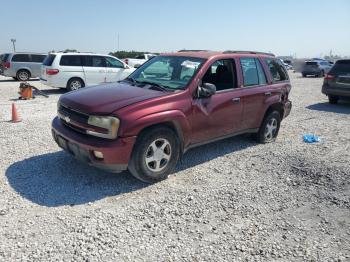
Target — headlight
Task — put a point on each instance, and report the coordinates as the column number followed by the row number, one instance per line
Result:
column 107, row 122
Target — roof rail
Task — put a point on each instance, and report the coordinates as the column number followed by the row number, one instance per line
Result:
column 185, row 50
column 246, row 52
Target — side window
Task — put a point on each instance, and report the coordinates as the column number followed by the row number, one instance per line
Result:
column 277, row 70
column 111, row 62
column 70, row 60
column 38, row 58
column 253, row 73
column 21, row 58
column 222, row 74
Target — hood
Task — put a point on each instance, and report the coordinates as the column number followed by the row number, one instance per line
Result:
column 107, row 98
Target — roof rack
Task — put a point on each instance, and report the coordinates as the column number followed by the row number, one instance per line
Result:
column 247, row 52
column 186, row 50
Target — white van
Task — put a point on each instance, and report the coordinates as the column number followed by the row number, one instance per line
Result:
column 76, row 70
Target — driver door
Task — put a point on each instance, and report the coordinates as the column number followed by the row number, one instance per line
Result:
column 220, row 114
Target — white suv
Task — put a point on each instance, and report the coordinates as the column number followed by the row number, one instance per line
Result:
column 76, row 70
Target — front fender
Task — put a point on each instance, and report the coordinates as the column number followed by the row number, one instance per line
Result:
column 174, row 117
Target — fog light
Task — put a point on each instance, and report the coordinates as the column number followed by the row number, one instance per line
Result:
column 98, row 154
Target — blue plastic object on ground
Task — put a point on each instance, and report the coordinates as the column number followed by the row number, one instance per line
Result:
column 311, row 138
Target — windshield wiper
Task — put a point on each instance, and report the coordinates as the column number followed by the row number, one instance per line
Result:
column 129, row 79
column 161, row 87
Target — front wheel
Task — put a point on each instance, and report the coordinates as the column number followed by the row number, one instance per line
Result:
column 269, row 128
column 155, row 155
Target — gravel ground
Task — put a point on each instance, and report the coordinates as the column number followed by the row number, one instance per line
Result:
column 233, row 200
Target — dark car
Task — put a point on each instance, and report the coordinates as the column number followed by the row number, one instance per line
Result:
column 336, row 83
column 316, row 68
column 170, row 104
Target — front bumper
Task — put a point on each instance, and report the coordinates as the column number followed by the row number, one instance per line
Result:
column 116, row 153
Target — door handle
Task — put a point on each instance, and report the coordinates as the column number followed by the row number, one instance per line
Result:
column 236, row 100
column 268, row 94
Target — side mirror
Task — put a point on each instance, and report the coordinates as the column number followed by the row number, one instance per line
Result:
column 206, row 90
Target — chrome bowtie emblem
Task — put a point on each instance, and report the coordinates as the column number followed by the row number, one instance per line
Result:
column 67, row 119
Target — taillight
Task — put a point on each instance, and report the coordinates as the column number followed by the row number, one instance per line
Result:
column 126, row 61
column 52, row 71
column 6, row 64
column 329, row 77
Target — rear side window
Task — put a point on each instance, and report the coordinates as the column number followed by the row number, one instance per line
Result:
column 341, row 67
column 21, row 58
column 94, row 61
column 253, row 73
column 49, row 60
column 277, row 70
column 5, row 57
column 38, row 58
column 70, row 60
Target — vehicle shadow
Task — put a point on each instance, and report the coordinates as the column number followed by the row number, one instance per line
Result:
column 58, row 179
column 13, row 80
column 202, row 154
column 342, row 107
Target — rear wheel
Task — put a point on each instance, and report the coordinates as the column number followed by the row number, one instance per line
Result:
column 23, row 75
column 269, row 128
column 75, row 84
column 333, row 99
column 155, row 155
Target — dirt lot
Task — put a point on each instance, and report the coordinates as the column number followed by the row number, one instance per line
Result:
column 233, row 200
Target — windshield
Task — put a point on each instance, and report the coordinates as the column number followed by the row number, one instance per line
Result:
column 171, row 72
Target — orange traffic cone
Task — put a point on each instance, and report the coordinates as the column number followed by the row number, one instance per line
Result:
column 15, row 115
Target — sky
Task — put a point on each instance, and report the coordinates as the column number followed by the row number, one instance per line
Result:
column 310, row 28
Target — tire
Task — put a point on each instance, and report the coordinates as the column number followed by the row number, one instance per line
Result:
column 322, row 74
column 75, row 84
column 15, row 78
column 304, row 75
column 269, row 128
column 333, row 99
column 23, row 75
column 155, row 154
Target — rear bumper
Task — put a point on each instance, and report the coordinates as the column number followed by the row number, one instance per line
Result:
column 116, row 153
column 311, row 72
column 287, row 108
column 343, row 92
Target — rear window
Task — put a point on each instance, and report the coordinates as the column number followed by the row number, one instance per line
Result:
column 277, row 70
column 38, row 58
column 4, row 57
column 311, row 63
column 49, row 60
column 253, row 74
column 70, row 60
column 341, row 67
column 21, row 58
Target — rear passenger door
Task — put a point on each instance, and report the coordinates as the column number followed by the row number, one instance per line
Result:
column 115, row 69
column 94, row 69
column 254, row 91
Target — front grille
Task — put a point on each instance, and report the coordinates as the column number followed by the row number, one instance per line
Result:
column 72, row 114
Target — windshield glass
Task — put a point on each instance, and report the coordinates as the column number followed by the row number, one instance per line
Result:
column 171, row 72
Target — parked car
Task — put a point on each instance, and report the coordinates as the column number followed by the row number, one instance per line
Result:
column 77, row 70
column 3, row 57
column 22, row 66
column 139, row 60
column 336, row 83
column 316, row 67
column 170, row 104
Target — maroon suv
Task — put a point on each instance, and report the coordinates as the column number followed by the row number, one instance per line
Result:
column 170, row 104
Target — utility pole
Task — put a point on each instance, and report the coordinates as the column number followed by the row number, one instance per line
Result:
column 118, row 42
column 13, row 40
